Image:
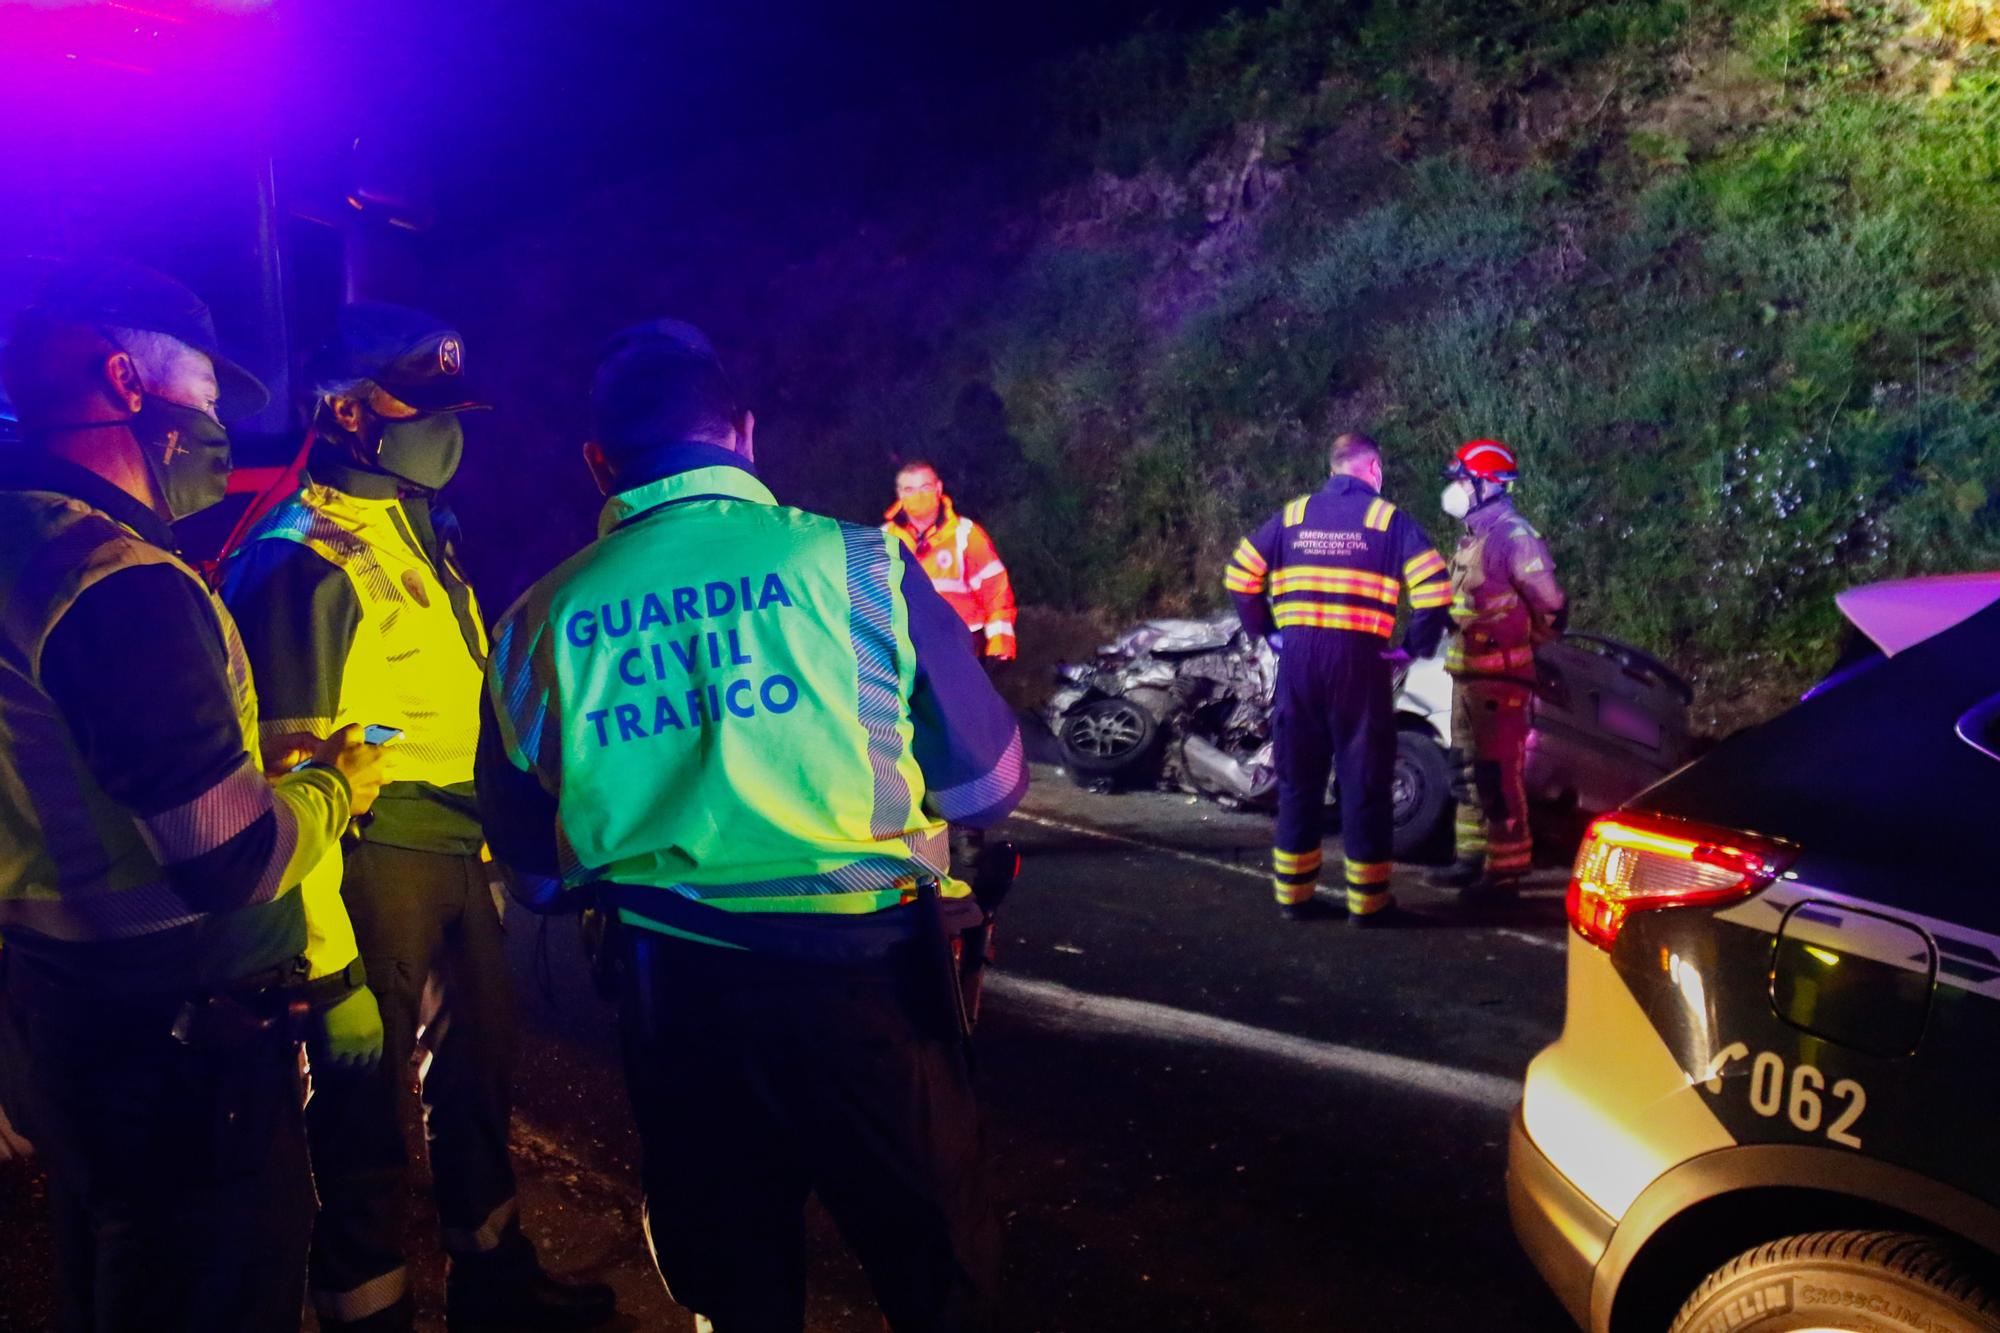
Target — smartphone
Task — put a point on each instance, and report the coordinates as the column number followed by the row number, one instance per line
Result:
column 376, row 735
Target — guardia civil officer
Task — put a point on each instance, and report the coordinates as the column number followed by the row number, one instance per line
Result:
column 159, row 932
column 1505, row 600
column 1322, row 581
column 741, row 727
column 355, row 609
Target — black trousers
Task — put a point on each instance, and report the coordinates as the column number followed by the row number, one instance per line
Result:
column 757, row 1082
column 430, row 937
column 177, row 1172
column 1334, row 716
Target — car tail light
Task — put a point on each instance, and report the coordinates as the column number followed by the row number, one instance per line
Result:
column 1639, row 863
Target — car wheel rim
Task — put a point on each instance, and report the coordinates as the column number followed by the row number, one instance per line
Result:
column 1105, row 735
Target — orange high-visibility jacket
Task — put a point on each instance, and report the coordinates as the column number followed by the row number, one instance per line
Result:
column 965, row 568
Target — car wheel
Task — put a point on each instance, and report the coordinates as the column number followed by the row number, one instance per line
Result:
column 1421, row 794
column 1108, row 736
column 1863, row 1281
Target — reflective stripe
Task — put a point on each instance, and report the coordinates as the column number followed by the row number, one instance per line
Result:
column 980, row 793
column 487, row 1235
column 1369, row 872
column 115, row 915
column 1330, row 578
column 878, row 693
column 1457, row 659
column 1320, row 615
column 992, row 570
column 370, row 1298
column 999, row 629
column 1423, row 566
column 1291, row 895
column 948, row 585
column 1379, row 514
column 1295, row 512
column 1249, row 557
column 1360, row 903
column 1290, row 861
column 1235, row 580
column 210, row 819
column 1433, row 594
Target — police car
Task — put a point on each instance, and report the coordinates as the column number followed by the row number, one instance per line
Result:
column 1775, row 1103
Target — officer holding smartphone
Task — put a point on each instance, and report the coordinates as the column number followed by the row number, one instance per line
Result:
column 355, row 608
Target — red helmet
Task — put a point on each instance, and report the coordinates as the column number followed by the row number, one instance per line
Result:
column 1485, row 460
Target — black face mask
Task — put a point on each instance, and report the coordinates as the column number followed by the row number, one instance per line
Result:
column 186, row 450
column 423, row 451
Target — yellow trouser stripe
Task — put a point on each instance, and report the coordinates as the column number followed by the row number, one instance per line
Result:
column 1288, row 861
column 1362, row 903
column 1291, row 895
column 1369, row 872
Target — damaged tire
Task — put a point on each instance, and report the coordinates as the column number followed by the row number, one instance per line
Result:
column 1110, row 738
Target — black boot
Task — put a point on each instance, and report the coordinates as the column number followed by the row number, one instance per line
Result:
column 506, row 1290
column 1491, row 889
column 1457, row 875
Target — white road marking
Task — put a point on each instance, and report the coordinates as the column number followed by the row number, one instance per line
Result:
column 1260, row 874
column 1058, row 1006
column 1539, row 941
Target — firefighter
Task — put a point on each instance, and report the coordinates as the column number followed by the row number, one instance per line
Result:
column 354, row 606
column 1504, row 601
column 1321, row 581
column 960, row 558
column 162, row 932
column 738, row 728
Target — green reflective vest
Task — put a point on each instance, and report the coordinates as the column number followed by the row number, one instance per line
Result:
column 76, row 867
column 718, row 692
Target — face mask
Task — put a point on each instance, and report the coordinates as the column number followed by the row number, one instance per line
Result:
column 186, row 450
column 423, row 451
column 922, row 506
column 1456, row 500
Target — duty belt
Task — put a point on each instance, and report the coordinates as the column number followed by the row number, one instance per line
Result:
column 829, row 939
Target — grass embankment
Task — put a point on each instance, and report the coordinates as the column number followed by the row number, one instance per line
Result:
column 1728, row 274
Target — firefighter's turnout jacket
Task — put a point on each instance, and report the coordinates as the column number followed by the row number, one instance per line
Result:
column 1504, row 594
column 966, row 570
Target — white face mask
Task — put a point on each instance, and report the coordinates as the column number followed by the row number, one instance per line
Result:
column 1457, row 499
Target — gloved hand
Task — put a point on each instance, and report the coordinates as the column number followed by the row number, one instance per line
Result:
column 350, row 1033
column 1396, row 657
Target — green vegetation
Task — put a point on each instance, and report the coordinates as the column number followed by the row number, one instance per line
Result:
column 1728, row 274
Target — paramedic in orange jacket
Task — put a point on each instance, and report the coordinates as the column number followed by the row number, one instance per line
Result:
column 959, row 556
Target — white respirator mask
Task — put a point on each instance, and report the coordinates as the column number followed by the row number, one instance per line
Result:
column 1457, row 499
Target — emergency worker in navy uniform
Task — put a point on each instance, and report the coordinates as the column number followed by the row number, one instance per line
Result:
column 1321, row 581
column 355, row 608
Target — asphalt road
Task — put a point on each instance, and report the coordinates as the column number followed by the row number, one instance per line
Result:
column 1202, row 1116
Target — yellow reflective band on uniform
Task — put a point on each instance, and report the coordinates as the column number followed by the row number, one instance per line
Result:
column 1291, row 895
column 1287, row 862
column 1333, row 578
column 1249, row 558
column 1236, row 580
column 1457, row 659
column 1295, row 512
column 1319, row 615
column 1378, row 516
column 1360, row 903
column 1369, row 872
column 1427, row 565
column 1434, row 594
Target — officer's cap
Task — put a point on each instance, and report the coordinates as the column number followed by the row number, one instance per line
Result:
column 116, row 293
column 416, row 358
